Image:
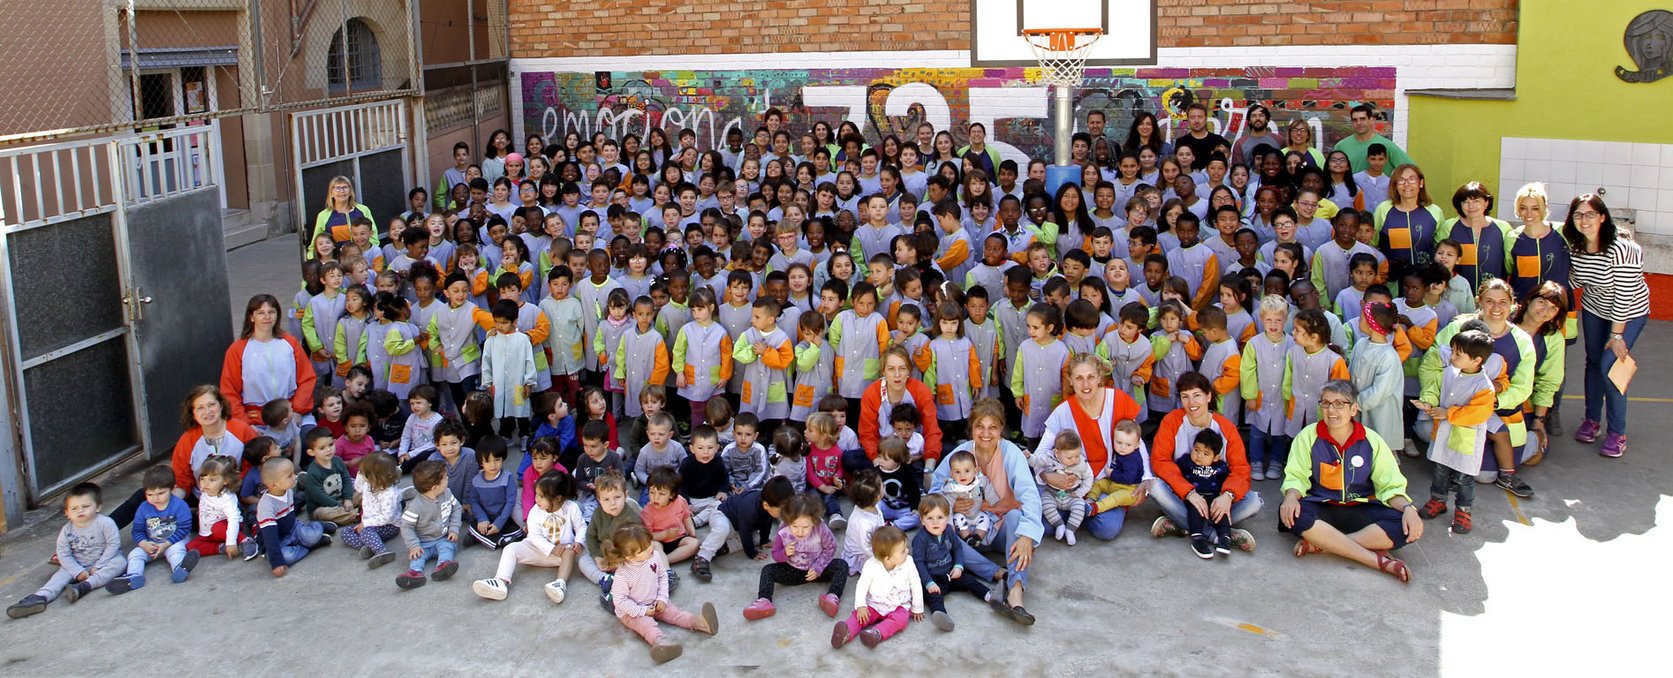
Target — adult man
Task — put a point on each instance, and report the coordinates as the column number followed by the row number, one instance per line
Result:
column 1365, row 134
column 1258, row 132
column 1095, row 122
column 1197, row 136
column 986, row 159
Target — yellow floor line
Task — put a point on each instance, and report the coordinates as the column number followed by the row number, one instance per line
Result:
column 1634, row 400
column 1517, row 509
column 1258, row 630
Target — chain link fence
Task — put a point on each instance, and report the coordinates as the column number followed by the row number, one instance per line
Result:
column 92, row 67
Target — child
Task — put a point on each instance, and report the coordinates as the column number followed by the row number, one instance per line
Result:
column 1363, row 269
column 1042, row 364
column 745, row 459
column 607, row 343
column 1222, row 361
column 847, row 440
column 815, row 367
column 1207, row 472
column 967, row 482
column 786, row 456
column 565, row 343
column 866, row 491
column 985, row 337
column 888, row 582
column 1377, row 373
column 161, row 527
column 640, row 592
column 355, row 443
column 668, row 516
column 859, row 336
column 218, row 515
column 555, row 537
column 1334, row 261
column 749, row 514
column 327, row 488
column 1420, row 321
column 284, row 537
column 1464, row 422
column 702, row 355
column 825, row 474
column 319, row 319
column 1447, row 254
column 380, row 509
column 737, row 316
column 1312, row 362
column 652, row 399
column 349, row 339
column 453, row 343
column 1128, row 468
column 1064, row 509
column 394, row 349
column 460, row 460
column 804, row 551
column 900, row 481
column 905, row 422
column 703, row 478
column 279, row 422
column 662, row 450
column 942, row 561
column 594, row 292
column 1261, row 380
column 766, row 354
column 1081, row 320
column 89, row 550
column 491, row 496
column 509, row 370
column 418, row 437
column 1131, row 358
column 1174, row 349
column 641, row 358
column 429, row 525
column 597, row 459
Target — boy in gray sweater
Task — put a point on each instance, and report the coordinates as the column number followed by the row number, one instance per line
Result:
column 429, row 524
column 89, row 553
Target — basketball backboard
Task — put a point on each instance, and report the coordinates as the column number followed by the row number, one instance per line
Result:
column 1129, row 28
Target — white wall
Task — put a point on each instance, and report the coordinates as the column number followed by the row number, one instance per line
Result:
column 1629, row 176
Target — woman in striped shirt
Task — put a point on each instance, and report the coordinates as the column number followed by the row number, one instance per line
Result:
column 1608, row 267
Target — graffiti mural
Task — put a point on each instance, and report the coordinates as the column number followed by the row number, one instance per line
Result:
column 894, row 101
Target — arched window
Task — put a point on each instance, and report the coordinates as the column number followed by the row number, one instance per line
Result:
column 365, row 69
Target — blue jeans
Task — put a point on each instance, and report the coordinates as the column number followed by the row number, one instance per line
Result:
column 832, row 508
column 1173, row 506
column 301, row 540
column 1266, row 448
column 1599, row 389
column 1106, row 525
column 1000, row 538
column 441, row 549
column 903, row 517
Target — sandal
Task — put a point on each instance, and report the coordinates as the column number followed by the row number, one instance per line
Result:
column 1305, row 547
column 1394, row 566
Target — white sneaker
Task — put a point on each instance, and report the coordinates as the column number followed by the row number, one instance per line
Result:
column 1255, row 472
column 556, row 589
column 1069, row 537
column 1275, row 470
column 1061, row 530
column 838, row 522
column 1411, row 450
column 492, row 589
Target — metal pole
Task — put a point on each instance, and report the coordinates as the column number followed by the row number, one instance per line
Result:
column 133, row 60
column 1065, row 124
column 256, row 47
column 476, row 116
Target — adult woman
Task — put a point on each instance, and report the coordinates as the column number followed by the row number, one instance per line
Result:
column 1173, row 441
column 266, row 364
column 1093, row 413
column 1490, row 237
column 1542, row 316
column 1144, row 133
column 896, row 388
column 1608, row 267
column 494, row 155
column 822, row 136
column 340, row 211
column 210, row 432
column 1538, row 253
column 1300, row 137
column 1406, row 223
column 1017, row 519
column 1343, row 490
column 1073, row 221
column 1495, row 305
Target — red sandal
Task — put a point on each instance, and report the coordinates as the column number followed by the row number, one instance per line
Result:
column 1305, row 547
column 1394, row 566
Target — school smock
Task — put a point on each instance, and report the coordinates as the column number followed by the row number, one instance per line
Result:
column 641, row 359
column 1359, row 470
column 1222, row 363
column 1486, row 255
column 703, row 354
column 1425, row 323
column 1407, row 238
column 1264, row 367
column 956, row 374
column 1126, row 360
column 736, row 320
column 532, row 323
column 765, row 376
column 1174, row 437
column 1039, row 382
column 1536, row 260
column 1200, row 269
column 871, row 240
column 858, row 342
column 507, row 366
column 319, row 319
column 594, row 307
column 814, row 378
column 453, row 341
column 1517, row 350
column 988, row 343
column 254, row 373
column 1378, row 374
column 397, row 363
column 565, row 346
column 1080, row 343
column 1172, row 360
column 1304, row 378
column 875, row 410
column 1013, row 331
column 348, row 343
column 1459, row 441
column 956, row 255
column 605, row 345
column 1330, row 267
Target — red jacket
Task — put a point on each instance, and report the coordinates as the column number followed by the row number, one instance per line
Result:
column 232, row 381
column 872, row 400
column 1163, row 454
column 181, row 461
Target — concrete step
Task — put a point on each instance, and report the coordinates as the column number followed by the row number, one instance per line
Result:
column 241, row 227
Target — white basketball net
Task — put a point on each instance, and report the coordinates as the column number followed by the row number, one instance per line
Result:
column 1062, row 55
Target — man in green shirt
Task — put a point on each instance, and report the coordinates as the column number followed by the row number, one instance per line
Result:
column 1365, row 134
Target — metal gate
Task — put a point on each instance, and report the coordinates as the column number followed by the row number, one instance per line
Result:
column 112, row 302
column 366, row 143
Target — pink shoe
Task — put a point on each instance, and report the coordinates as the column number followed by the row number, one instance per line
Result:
column 828, row 604
column 1614, row 445
column 760, row 609
column 1587, row 433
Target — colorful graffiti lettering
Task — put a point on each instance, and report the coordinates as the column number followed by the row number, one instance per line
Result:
column 893, row 101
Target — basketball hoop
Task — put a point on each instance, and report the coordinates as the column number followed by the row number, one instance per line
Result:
column 1062, row 53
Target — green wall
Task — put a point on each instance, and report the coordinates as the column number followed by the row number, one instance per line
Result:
column 1566, row 88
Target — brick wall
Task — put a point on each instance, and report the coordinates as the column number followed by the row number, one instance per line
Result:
column 540, row 28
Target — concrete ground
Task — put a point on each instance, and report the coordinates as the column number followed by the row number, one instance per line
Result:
column 1579, row 566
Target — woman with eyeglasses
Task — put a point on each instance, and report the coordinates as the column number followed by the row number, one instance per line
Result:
column 1406, row 223
column 341, row 209
column 1344, row 493
column 1608, row 266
